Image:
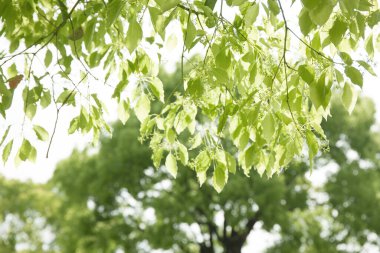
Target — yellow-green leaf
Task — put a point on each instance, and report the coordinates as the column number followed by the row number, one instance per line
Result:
column 41, row 133
column 113, row 11
column 123, row 111
column 349, row 97
column 134, row 35
column 171, row 165
column 355, row 75
column 7, row 151
column 219, row 178
column 142, row 107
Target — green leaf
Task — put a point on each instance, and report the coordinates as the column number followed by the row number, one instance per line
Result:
column 231, row 163
column 157, row 156
column 45, row 99
column 157, row 88
column 269, row 126
column 123, row 111
column 142, row 107
column 25, row 149
column 210, row 4
column 346, row 58
column 195, row 142
column 222, row 121
column 7, row 151
column 180, row 122
column 374, row 18
column 311, row 4
column 243, row 139
column 251, row 14
column 89, row 34
column 33, row 154
column 134, row 35
column 30, row 110
column 355, row 75
column 337, row 31
column 306, row 73
column 348, row 6
column 219, row 178
column 349, row 97
column 367, row 67
column 195, row 88
column 320, row 93
column 170, row 136
column 273, row 7
column 171, row 165
column 41, row 133
column 190, row 34
column 221, row 75
column 113, row 11
column 5, row 135
column 67, row 97
column 202, row 177
column 250, row 158
column 167, row 4
column 305, row 23
column 313, row 145
column 223, row 60
column 321, row 13
column 48, row 58
column 12, row 70
column 369, row 46
column 202, row 161
column 73, row 125
column 158, row 20
column 183, row 154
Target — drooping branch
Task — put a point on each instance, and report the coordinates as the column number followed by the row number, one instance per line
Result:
column 313, row 49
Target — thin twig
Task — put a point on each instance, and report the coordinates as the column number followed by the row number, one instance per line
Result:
column 313, row 49
column 286, row 65
column 76, row 52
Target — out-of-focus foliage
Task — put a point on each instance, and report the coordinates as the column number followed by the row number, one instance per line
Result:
column 24, row 212
column 264, row 82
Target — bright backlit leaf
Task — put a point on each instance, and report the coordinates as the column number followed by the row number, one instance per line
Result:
column 219, row 178
column 134, row 35
column 7, row 151
column 142, row 107
column 349, row 97
column 171, row 165
column 355, row 75
column 41, row 133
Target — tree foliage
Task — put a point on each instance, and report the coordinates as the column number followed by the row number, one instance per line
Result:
column 102, row 202
column 264, row 81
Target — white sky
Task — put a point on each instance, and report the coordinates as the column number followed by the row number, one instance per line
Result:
column 63, row 144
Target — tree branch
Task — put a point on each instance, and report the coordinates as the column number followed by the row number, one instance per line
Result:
column 286, row 65
column 251, row 222
column 313, row 49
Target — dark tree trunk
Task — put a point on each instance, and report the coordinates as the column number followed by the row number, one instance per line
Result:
column 203, row 248
column 233, row 244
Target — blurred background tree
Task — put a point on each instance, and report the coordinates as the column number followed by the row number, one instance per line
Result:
column 111, row 199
